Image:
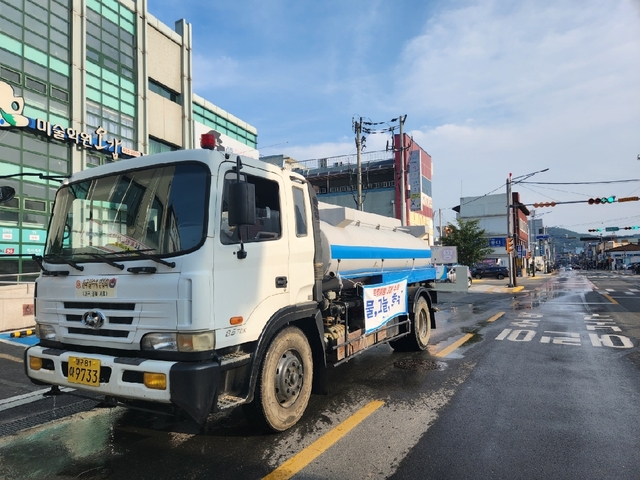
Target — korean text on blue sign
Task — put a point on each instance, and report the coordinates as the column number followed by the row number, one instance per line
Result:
column 498, row 242
column 383, row 302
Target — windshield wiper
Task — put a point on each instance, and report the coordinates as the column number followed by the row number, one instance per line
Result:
column 54, row 273
column 155, row 258
column 107, row 261
column 65, row 260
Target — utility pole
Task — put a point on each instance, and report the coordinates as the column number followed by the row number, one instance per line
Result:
column 403, row 189
column 534, row 243
column 358, row 129
column 510, row 234
column 440, row 214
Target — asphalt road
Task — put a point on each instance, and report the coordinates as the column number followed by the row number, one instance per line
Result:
column 555, row 394
column 547, row 386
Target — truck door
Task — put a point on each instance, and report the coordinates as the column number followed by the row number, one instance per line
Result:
column 251, row 289
column 301, row 244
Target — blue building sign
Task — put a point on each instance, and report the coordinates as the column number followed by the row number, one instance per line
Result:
column 498, row 242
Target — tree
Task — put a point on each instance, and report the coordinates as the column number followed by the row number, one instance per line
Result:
column 470, row 240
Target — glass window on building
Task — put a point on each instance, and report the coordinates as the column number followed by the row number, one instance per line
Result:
column 158, row 146
column 111, row 90
column 164, row 91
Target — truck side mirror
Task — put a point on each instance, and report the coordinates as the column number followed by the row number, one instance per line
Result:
column 242, row 204
column 6, row 194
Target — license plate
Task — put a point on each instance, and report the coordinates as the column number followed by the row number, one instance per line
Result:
column 85, row 371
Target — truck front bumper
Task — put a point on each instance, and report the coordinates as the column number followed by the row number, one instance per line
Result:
column 189, row 385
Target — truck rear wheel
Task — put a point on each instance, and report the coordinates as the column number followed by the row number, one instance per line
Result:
column 418, row 339
column 284, row 383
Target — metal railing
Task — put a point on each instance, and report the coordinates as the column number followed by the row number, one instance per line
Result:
column 16, row 279
column 341, row 161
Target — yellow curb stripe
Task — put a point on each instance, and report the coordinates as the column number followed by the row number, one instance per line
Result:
column 446, row 351
column 10, row 357
column 610, row 299
column 296, row 463
column 512, row 289
column 495, row 317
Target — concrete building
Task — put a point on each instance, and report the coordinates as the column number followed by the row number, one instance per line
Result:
column 335, row 181
column 539, row 243
column 491, row 213
column 86, row 82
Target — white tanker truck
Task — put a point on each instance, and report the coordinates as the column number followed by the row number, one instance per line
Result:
column 198, row 280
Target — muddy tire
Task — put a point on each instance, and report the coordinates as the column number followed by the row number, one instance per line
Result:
column 284, row 382
column 418, row 339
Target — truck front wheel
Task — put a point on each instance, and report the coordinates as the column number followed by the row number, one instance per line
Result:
column 418, row 339
column 284, row 383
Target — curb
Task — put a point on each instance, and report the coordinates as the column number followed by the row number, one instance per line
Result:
column 513, row 289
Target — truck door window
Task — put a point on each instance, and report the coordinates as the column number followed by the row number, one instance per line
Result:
column 267, row 225
column 300, row 212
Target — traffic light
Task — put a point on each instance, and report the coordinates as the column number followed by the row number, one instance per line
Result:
column 595, row 229
column 509, row 244
column 544, row 204
column 635, row 227
column 602, row 200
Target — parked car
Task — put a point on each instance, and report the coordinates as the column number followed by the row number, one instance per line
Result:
column 451, row 275
column 484, row 271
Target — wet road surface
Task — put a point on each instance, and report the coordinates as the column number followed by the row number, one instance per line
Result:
column 493, row 408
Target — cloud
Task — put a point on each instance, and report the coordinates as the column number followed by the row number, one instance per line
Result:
column 490, row 62
column 515, row 89
column 211, row 73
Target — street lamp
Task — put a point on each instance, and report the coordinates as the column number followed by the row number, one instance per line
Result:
column 511, row 220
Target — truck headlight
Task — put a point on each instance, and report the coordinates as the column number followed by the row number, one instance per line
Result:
column 179, row 342
column 196, row 342
column 45, row 332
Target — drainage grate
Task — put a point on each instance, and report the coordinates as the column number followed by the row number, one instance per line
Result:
column 24, row 423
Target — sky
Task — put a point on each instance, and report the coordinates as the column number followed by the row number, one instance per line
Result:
column 489, row 88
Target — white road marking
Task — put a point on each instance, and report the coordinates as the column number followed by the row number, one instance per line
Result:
column 18, row 400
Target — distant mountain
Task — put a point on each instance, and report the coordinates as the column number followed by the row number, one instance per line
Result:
column 565, row 240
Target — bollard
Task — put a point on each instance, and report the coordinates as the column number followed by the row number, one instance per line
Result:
column 22, row 333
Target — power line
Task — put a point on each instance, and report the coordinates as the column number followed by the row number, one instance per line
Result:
column 585, row 183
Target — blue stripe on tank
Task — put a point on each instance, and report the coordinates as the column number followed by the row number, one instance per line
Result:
column 347, row 252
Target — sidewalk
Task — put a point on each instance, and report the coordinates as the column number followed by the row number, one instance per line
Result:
column 501, row 286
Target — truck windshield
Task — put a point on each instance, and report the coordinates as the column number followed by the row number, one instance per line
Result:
column 160, row 210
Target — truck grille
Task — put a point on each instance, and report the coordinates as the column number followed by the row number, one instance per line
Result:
column 116, row 314
column 100, row 306
column 111, row 319
column 98, row 333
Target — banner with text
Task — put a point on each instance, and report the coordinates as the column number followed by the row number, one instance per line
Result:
column 382, row 302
